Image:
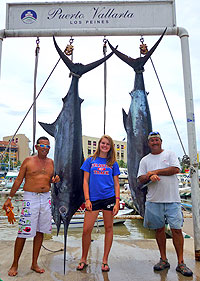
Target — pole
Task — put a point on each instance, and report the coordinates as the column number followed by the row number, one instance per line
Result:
column 1, row 41
column 195, row 193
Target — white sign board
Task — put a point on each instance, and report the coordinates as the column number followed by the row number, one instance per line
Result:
column 90, row 15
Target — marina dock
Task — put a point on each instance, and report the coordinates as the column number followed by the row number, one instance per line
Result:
column 130, row 260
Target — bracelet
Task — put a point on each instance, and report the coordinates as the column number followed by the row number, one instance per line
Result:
column 87, row 199
column 117, row 198
column 9, row 197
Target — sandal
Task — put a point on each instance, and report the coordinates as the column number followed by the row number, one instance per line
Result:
column 162, row 264
column 80, row 264
column 184, row 270
column 105, row 270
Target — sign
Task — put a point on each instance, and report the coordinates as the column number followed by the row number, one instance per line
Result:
column 87, row 15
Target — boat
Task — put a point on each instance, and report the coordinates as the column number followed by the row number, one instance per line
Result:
column 123, row 177
column 78, row 218
column 185, row 191
column 186, row 205
column 9, row 180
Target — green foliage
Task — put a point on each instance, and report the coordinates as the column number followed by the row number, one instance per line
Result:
column 122, row 164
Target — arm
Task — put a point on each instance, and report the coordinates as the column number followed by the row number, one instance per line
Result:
column 154, row 175
column 88, row 203
column 117, row 195
column 16, row 184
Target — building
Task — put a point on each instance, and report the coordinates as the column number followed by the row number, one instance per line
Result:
column 12, row 153
column 22, row 143
column 90, row 145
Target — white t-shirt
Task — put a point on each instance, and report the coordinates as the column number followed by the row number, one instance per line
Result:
column 166, row 190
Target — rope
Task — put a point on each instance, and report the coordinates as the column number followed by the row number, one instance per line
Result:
column 37, row 50
column 168, row 107
column 52, row 251
column 105, row 84
column 2, row 155
column 143, row 51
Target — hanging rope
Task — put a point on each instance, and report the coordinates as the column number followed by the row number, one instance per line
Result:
column 105, row 84
column 3, row 154
column 143, row 51
column 37, row 50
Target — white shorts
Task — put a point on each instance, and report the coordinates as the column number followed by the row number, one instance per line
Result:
column 35, row 215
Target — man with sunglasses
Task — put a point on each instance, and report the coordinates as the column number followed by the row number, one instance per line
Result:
column 163, row 204
column 35, row 219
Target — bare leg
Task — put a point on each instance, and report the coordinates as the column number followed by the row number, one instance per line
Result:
column 89, row 220
column 19, row 245
column 37, row 243
column 161, row 241
column 178, row 242
column 108, row 224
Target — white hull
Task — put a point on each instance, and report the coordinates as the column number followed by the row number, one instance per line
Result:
column 78, row 220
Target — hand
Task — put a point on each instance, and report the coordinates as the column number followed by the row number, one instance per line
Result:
column 55, row 179
column 88, row 205
column 115, row 209
column 7, row 205
column 154, row 178
column 149, row 174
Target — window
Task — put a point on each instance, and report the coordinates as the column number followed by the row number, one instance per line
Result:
column 117, row 155
column 122, row 146
column 122, row 155
column 89, row 142
column 94, row 143
column 89, row 151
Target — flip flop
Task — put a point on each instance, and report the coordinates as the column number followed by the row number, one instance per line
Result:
column 80, row 264
column 105, row 270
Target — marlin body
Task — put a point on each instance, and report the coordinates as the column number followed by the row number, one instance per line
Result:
column 138, row 125
column 67, row 195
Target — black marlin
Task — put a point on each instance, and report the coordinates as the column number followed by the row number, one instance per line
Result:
column 67, row 195
column 137, row 124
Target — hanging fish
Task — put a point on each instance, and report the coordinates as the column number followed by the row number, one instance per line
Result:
column 67, row 195
column 137, row 124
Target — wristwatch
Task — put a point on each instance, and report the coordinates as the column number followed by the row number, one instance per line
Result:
column 9, row 197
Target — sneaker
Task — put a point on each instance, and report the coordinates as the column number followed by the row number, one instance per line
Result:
column 184, row 270
column 162, row 264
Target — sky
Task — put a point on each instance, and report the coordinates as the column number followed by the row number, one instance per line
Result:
column 17, row 72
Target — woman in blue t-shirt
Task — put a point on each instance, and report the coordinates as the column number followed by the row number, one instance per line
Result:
column 102, row 192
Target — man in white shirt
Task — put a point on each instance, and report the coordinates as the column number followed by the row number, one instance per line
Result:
column 163, row 204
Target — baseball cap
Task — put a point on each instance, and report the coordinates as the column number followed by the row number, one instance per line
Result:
column 154, row 135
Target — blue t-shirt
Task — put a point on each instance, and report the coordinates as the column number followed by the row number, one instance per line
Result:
column 101, row 183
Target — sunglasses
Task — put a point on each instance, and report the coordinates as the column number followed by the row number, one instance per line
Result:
column 43, row 145
column 154, row 133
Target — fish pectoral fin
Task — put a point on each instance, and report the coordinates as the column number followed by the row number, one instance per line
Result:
column 49, row 128
column 125, row 116
column 81, row 100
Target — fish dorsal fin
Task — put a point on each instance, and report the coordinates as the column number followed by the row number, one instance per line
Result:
column 137, row 64
column 49, row 128
column 125, row 116
column 79, row 69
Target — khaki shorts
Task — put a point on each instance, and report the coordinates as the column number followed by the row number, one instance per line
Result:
column 35, row 215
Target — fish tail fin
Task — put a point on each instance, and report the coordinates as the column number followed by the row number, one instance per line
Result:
column 49, row 128
column 125, row 116
column 78, row 68
column 137, row 64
